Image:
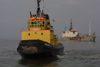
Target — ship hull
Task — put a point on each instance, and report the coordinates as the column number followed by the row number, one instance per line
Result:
column 78, row 39
column 38, row 49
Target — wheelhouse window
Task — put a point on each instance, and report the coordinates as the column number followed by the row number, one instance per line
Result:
column 35, row 25
column 40, row 25
column 48, row 23
column 32, row 22
column 40, row 22
column 32, row 25
column 43, row 22
column 32, row 19
column 40, row 19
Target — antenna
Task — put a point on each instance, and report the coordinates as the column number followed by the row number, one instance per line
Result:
column 89, row 28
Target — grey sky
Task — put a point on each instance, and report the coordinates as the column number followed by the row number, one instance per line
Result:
column 15, row 13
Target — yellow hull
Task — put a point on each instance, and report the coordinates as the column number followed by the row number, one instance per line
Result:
column 44, row 35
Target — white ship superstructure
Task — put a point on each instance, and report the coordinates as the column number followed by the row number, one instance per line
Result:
column 70, row 33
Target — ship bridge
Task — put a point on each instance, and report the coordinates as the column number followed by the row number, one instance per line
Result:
column 38, row 23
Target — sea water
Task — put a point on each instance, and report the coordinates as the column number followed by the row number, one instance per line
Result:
column 76, row 54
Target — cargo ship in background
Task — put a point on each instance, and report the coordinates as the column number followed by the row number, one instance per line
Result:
column 73, row 35
column 39, row 41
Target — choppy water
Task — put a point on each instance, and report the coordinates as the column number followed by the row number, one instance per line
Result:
column 77, row 54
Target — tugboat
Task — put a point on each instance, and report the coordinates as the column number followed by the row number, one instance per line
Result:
column 39, row 41
column 73, row 35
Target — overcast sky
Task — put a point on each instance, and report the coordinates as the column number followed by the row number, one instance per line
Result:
column 15, row 13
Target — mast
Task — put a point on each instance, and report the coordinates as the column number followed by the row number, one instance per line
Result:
column 71, row 27
column 65, row 28
column 38, row 7
column 30, row 14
